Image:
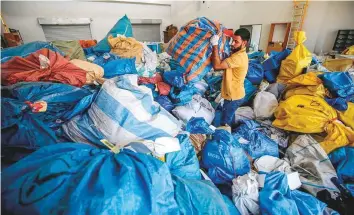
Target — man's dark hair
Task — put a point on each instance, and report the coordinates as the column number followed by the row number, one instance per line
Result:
column 243, row 33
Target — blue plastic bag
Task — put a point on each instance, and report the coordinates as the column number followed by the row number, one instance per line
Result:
column 155, row 94
column 150, row 86
column 184, row 96
column 61, row 100
column 184, row 163
column 274, row 61
column 212, row 79
column 24, row 128
column 122, row 27
column 338, row 103
column 272, row 65
column 250, row 90
column 343, row 161
column 339, row 84
column 307, row 203
column 271, row 75
column 224, row 158
column 279, row 56
column 24, row 137
column 200, row 197
column 198, row 125
column 101, row 59
column 256, row 55
column 277, row 198
column 155, row 47
column 174, row 78
column 351, row 98
column 119, row 67
column 230, row 205
column 75, row 178
column 165, row 102
column 254, row 142
column 214, row 82
column 27, row 49
column 255, row 72
column 89, row 51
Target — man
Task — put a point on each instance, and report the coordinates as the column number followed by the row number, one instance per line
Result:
column 235, row 67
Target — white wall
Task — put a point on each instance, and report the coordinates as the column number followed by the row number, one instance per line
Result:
column 23, row 15
column 321, row 24
column 233, row 14
column 338, row 15
column 323, row 19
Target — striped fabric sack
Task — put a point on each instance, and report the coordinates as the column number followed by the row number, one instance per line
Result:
column 192, row 49
column 122, row 112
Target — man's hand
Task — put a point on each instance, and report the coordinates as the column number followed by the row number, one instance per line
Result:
column 215, row 58
column 214, row 40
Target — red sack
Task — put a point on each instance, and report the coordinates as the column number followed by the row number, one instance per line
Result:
column 164, row 89
column 154, row 80
column 87, row 43
column 36, row 67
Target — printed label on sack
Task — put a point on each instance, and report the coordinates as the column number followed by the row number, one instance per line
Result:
column 212, row 127
column 212, row 155
column 106, row 56
column 243, row 140
column 111, row 146
column 91, row 59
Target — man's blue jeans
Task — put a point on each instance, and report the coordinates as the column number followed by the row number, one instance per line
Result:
column 228, row 111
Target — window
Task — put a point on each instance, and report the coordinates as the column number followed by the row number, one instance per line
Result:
column 145, row 30
column 66, row 29
column 147, row 33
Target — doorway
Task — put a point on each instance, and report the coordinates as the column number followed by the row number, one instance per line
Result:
column 255, row 31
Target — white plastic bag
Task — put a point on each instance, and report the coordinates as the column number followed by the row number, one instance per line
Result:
column 264, row 105
column 149, row 62
column 202, row 86
column 244, row 113
column 198, row 107
column 245, row 194
column 162, row 61
column 276, row 89
column 271, row 164
column 268, row 164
